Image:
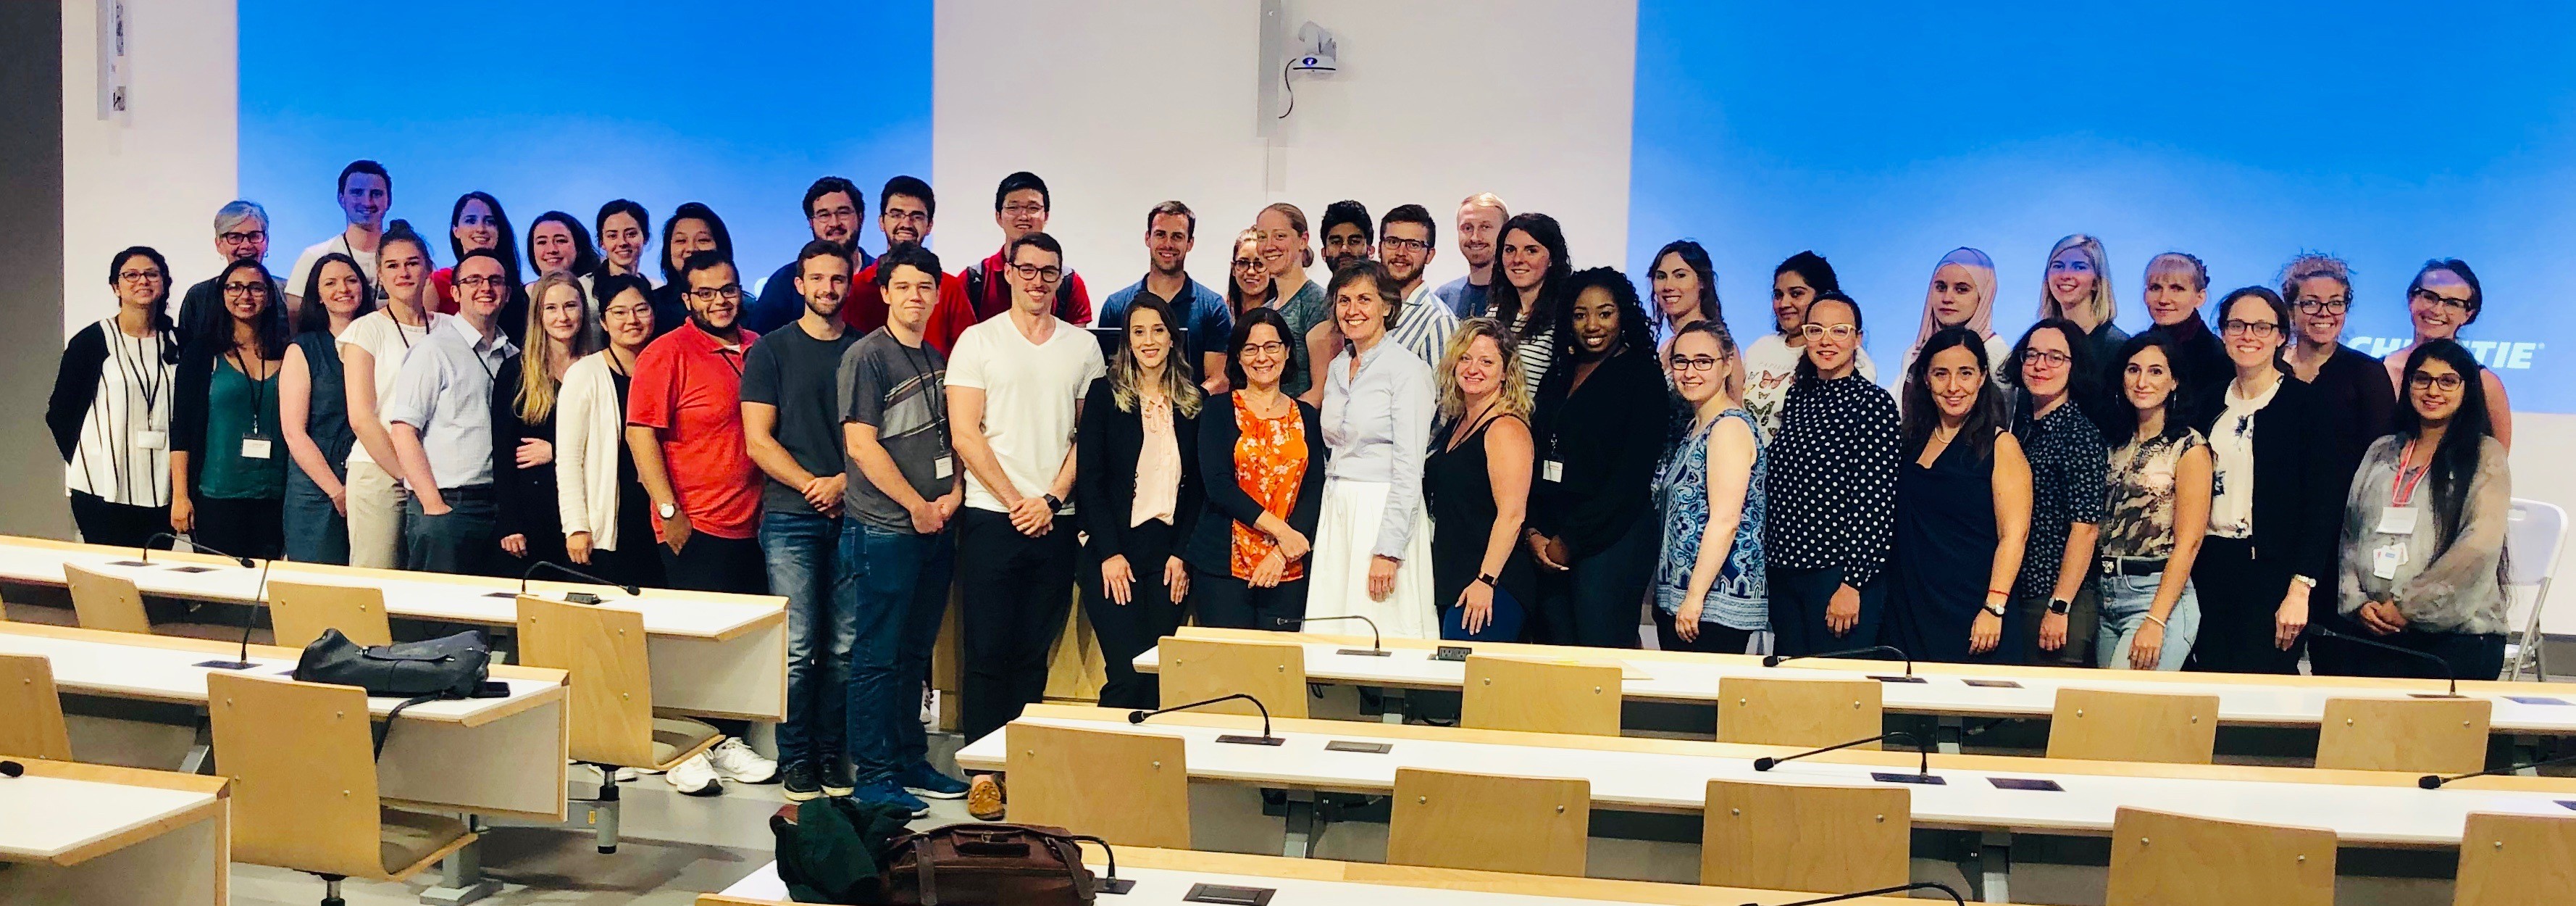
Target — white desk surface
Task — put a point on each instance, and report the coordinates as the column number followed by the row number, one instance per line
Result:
column 1948, row 693
column 79, row 813
column 159, row 672
column 1663, row 781
column 1166, row 887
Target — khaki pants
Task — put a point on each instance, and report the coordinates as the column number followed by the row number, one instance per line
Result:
column 375, row 517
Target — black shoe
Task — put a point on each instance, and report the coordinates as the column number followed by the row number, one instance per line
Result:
column 800, row 783
column 836, row 778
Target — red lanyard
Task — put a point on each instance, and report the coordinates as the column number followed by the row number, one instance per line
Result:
column 2402, row 487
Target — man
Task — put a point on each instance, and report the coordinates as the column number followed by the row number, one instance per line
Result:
column 904, row 210
column 1015, row 387
column 366, row 192
column 241, row 234
column 684, row 427
column 833, row 210
column 1480, row 226
column 1406, row 244
column 1170, row 230
column 1020, row 207
column 441, row 413
column 791, row 422
column 1346, row 234
column 896, row 545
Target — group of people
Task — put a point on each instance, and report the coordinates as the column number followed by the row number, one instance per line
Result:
column 1528, row 453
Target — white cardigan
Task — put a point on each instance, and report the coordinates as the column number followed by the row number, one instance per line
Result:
column 590, row 430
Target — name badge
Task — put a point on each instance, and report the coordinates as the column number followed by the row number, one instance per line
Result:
column 1552, row 470
column 150, row 439
column 255, row 447
column 2385, row 560
column 943, row 467
column 2397, row 520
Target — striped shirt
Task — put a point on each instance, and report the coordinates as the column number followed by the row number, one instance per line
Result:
column 1423, row 325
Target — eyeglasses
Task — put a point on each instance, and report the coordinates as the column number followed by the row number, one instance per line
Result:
column 2422, row 381
column 1394, row 244
column 1273, row 347
column 906, row 216
column 834, row 212
column 2323, row 306
column 1836, row 331
column 495, row 282
column 2255, row 329
column 2049, row 357
column 1017, row 209
column 1245, row 264
column 731, row 291
column 1693, row 363
column 243, row 289
column 242, row 237
column 139, row 276
column 1042, row 274
column 2459, row 305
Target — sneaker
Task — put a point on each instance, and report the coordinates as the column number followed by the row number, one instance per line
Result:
column 694, row 777
column 984, row 799
column 836, row 778
column 923, row 780
column 736, row 761
column 883, row 791
column 799, row 783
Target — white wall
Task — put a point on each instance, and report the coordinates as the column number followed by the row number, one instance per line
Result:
column 154, row 177
column 1120, row 105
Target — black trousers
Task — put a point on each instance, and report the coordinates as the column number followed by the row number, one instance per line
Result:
column 2471, row 657
column 1799, row 598
column 1126, row 630
column 1015, row 591
column 2021, row 630
column 2240, row 600
column 1713, row 638
column 709, row 563
column 118, row 524
column 248, row 527
column 1226, row 602
column 634, row 561
column 1595, row 603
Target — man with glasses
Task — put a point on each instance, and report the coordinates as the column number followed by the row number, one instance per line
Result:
column 366, row 192
column 1480, row 226
column 1020, row 208
column 241, row 234
column 833, row 210
column 904, row 210
column 441, row 417
column 1170, row 231
column 1406, row 244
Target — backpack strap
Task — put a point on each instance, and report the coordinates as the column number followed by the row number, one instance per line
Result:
column 380, row 732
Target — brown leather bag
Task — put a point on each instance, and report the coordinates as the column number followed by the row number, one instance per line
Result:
column 991, row 865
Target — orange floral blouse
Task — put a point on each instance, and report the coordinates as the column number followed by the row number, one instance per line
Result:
column 1269, row 463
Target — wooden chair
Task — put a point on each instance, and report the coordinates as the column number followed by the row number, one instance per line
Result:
column 298, row 612
column 1131, row 789
column 31, row 713
column 2134, row 726
column 613, row 725
column 1528, row 825
column 1784, row 837
column 302, row 763
column 2420, row 735
column 1797, row 712
column 1200, row 669
column 1535, row 696
column 106, row 602
column 2163, row 859
column 2516, row 860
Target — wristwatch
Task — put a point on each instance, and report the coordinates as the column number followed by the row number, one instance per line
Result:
column 666, row 510
column 1486, row 579
column 2060, row 606
column 2303, row 580
column 1995, row 607
column 1054, row 503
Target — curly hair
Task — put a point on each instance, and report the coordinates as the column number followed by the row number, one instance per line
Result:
column 1516, row 390
column 1635, row 332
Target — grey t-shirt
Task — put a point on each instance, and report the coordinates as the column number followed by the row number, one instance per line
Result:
column 793, row 371
column 901, row 391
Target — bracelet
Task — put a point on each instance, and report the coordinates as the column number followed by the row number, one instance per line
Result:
column 2159, row 621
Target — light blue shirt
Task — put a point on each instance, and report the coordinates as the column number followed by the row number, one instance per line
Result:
column 1378, row 427
column 1424, row 324
column 444, row 391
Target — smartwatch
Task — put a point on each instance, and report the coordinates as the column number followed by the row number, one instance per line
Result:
column 1054, row 503
column 2060, row 606
column 667, row 510
column 1485, row 579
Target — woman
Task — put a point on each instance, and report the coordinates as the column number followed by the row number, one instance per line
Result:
column 2177, row 285
column 227, row 470
column 1250, row 286
column 110, row 409
column 2354, row 400
column 477, row 222
column 1709, row 593
column 1476, row 481
column 2155, row 518
column 557, row 242
column 1599, row 425
column 1534, row 266
column 1962, row 294
column 606, row 519
column 1372, row 540
column 623, row 229
column 2055, row 606
column 1287, row 254
column 692, row 228
column 2444, row 298
column 1139, row 498
column 1248, row 550
column 2424, row 527
column 2273, row 499
column 1685, row 287
column 313, row 412
column 2076, row 289
column 524, row 394
column 1962, row 506
column 1774, row 362
column 1832, row 486
column 371, row 354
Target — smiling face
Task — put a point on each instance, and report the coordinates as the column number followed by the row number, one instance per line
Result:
column 909, row 292
column 1263, row 356
column 2048, row 365
column 244, row 241
column 2435, row 389
column 1596, row 321
column 1343, row 244
column 2253, row 332
column 1954, row 380
column 1790, row 296
column 1477, row 225
column 1833, row 334
column 1283, row 248
column 1677, row 289
column 2173, row 293
column 1479, row 369
column 339, row 289
column 476, row 226
column 1167, row 244
column 1954, row 297
column 689, row 236
column 2319, row 309
column 2147, row 379
column 1405, row 248
column 245, row 294
column 2440, row 306
column 551, row 247
column 1525, row 260
column 1024, row 211
column 480, row 286
column 2071, row 278
column 1698, row 366
column 1360, row 307
column 715, row 297
column 403, row 268
column 1148, row 338
column 560, row 314
column 139, row 282
column 364, row 198
column 1033, row 278
column 621, row 241
column 834, row 217
column 905, row 219
column 824, row 281
column 628, row 320
column 1251, row 275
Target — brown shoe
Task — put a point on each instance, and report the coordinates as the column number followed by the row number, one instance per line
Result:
column 984, row 799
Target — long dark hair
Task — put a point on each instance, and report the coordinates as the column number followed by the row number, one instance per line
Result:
column 161, row 303
column 269, row 330
column 1636, row 333
column 505, row 245
column 1695, row 258
column 1921, row 415
column 1506, row 298
column 2083, row 376
column 316, row 317
column 676, row 274
column 585, row 253
column 2179, row 415
column 1180, row 381
column 2455, row 460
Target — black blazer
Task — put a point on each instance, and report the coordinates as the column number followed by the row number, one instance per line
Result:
column 1211, row 539
column 1109, row 442
column 1609, row 433
column 2298, row 490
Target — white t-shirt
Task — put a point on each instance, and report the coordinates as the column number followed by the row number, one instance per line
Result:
column 1031, row 396
column 1770, row 366
column 389, row 341
column 302, row 273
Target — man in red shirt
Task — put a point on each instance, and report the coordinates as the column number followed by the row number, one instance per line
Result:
column 904, row 209
column 684, row 424
column 1020, row 207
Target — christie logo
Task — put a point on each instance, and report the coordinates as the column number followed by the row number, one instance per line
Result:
column 2495, row 354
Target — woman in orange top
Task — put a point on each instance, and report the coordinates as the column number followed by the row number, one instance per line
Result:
column 1247, row 554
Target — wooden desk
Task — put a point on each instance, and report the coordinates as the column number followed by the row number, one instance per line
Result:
column 82, row 833
column 1163, row 876
column 714, row 655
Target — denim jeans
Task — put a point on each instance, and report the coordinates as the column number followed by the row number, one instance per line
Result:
column 2125, row 602
column 899, row 581
column 461, row 540
column 803, row 554
column 315, row 530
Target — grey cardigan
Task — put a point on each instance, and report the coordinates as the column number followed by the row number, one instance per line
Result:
column 2454, row 589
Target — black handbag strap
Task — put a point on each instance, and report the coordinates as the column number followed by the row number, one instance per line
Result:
column 380, row 732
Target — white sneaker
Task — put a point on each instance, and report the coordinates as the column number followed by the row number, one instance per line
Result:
column 736, row 761
column 694, row 777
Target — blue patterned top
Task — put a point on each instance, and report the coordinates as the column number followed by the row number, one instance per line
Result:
column 1738, row 599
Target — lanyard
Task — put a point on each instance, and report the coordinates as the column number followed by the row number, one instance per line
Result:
column 259, row 389
column 936, row 396
column 136, row 368
column 2402, row 486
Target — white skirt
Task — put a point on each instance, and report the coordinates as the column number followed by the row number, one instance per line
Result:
column 1337, row 573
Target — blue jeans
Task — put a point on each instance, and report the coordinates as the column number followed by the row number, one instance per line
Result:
column 803, row 554
column 2125, row 602
column 900, row 583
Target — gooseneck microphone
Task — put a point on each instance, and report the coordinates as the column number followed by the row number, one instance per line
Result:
column 1924, row 768
column 1375, row 648
column 577, row 597
column 1900, row 888
column 1774, row 660
column 2435, row 782
column 250, row 617
column 1265, row 739
column 2447, row 672
column 192, row 542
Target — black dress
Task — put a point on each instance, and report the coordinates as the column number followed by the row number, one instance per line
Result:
column 1945, row 550
column 1460, row 492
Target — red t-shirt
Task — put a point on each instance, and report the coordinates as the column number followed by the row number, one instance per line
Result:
column 865, row 309
column 955, row 312
column 689, row 387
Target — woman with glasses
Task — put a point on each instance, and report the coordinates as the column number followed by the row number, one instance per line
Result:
column 2444, row 298
column 313, row 410
column 110, row 408
column 1962, row 294
column 2354, row 400
column 2274, row 499
column 2054, row 605
column 1832, row 486
column 1373, row 539
column 1261, row 462
column 371, row 355
column 1249, row 286
column 1477, row 482
column 1138, row 497
column 1599, row 422
column 1708, row 591
column 1962, row 507
column 227, row 468
column 1288, row 254
column 524, row 393
column 1771, row 365
column 2156, row 516
column 2423, row 539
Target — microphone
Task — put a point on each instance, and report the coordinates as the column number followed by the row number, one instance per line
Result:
column 1900, row 888
column 11, row 769
column 192, row 542
column 1774, row 660
column 2433, row 782
column 1924, row 769
column 250, row 620
column 2400, row 649
column 577, row 597
column 1265, row 739
column 1375, row 648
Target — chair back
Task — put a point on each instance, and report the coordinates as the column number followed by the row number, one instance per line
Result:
column 303, row 769
column 2416, row 735
column 298, row 612
column 1484, row 822
column 1797, row 712
column 2516, row 860
column 2164, row 859
column 601, row 648
column 102, row 601
column 1131, row 789
column 2134, row 726
column 31, row 714
column 1535, row 696
column 1775, row 836
column 2535, row 530
column 1200, row 669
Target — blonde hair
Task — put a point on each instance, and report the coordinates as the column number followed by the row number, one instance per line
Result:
column 2309, row 266
column 1178, row 382
column 1515, row 393
column 1296, row 221
column 2103, row 306
column 537, row 385
column 1486, row 200
column 1981, row 274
